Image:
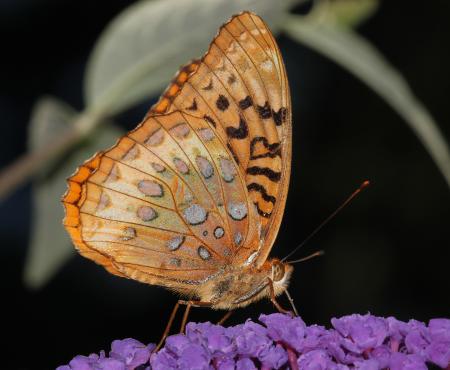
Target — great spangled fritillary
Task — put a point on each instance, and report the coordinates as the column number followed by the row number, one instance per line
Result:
column 193, row 197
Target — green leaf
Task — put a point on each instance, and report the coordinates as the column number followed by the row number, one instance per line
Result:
column 144, row 46
column 361, row 58
column 345, row 13
column 49, row 119
column 50, row 246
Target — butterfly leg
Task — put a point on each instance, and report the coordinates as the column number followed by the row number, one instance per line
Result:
column 190, row 304
column 168, row 326
column 225, row 317
column 291, row 301
column 275, row 302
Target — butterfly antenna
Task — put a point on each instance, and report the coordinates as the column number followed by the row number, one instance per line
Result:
column 364, row 185
column 315, row 254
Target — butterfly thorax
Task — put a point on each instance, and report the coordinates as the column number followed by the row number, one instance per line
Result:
column 239, row 286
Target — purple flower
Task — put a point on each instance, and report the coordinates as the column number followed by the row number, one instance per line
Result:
column 382, row 355
column 189, row 355
column 416, row 343
column 396, row 331
column 78, row 363
column 163, row 360
column 214, row 337
column 315, row 360
column 315, row 337
column 365, row 332
column 401, row 361
column 284, row 328
column 82, row 362
column 177, row 343
column 439, row 330
column 274, row 357
column 367, row 365
column 131, row 352
column 245, row 364
column 194, row 357
column 439, row 353
column 363, row 342
column 252, row 339
column 224, row 364
column 110, row 364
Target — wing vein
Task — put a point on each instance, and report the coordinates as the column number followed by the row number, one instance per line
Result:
column 134, row 223
column 253, row 62
column 215, row 167
column 129, row 195
column 179, row 255
column 195, row 169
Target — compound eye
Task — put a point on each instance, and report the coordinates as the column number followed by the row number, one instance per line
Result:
column 278, row 271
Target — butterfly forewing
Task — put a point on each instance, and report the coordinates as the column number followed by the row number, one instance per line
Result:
column 240, row 87
column 201, row 183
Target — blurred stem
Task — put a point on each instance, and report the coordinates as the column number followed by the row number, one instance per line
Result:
column 359, row 57
column 29, row 164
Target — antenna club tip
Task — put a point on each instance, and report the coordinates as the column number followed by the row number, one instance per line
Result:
column 365, row 184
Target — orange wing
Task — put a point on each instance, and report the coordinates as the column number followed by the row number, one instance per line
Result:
column 201, row 183
column 166, row 205
column 240, row 87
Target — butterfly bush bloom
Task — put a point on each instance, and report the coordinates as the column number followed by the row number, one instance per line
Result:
column 278, row 341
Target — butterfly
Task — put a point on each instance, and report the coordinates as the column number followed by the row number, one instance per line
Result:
column 192, row 198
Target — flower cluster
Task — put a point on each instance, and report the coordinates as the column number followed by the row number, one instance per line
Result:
column 363, row 342
column 126, row 354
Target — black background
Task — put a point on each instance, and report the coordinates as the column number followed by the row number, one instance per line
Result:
column 387, row 253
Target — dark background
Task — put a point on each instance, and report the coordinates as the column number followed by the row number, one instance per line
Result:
column 387, row 253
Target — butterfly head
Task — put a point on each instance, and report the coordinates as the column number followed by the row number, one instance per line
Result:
column 280, row 275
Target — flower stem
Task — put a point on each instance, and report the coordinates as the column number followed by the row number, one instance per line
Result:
column 29, row 164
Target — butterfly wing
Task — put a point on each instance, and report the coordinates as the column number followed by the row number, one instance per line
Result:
column 166, row 205
column 240, row 87
column 201, row 183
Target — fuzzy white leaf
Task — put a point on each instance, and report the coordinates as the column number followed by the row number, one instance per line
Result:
column 361, row 58
column 343, row 13
column 144, row 46
column 50, row 246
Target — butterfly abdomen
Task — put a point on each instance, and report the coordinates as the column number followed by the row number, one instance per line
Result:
column 239, row 287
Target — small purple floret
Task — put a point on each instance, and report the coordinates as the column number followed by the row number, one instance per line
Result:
column 131, row 352
column 365, row 332
column 363, row 342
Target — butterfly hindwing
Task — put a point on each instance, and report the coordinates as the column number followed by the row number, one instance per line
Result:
column 166, row 201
